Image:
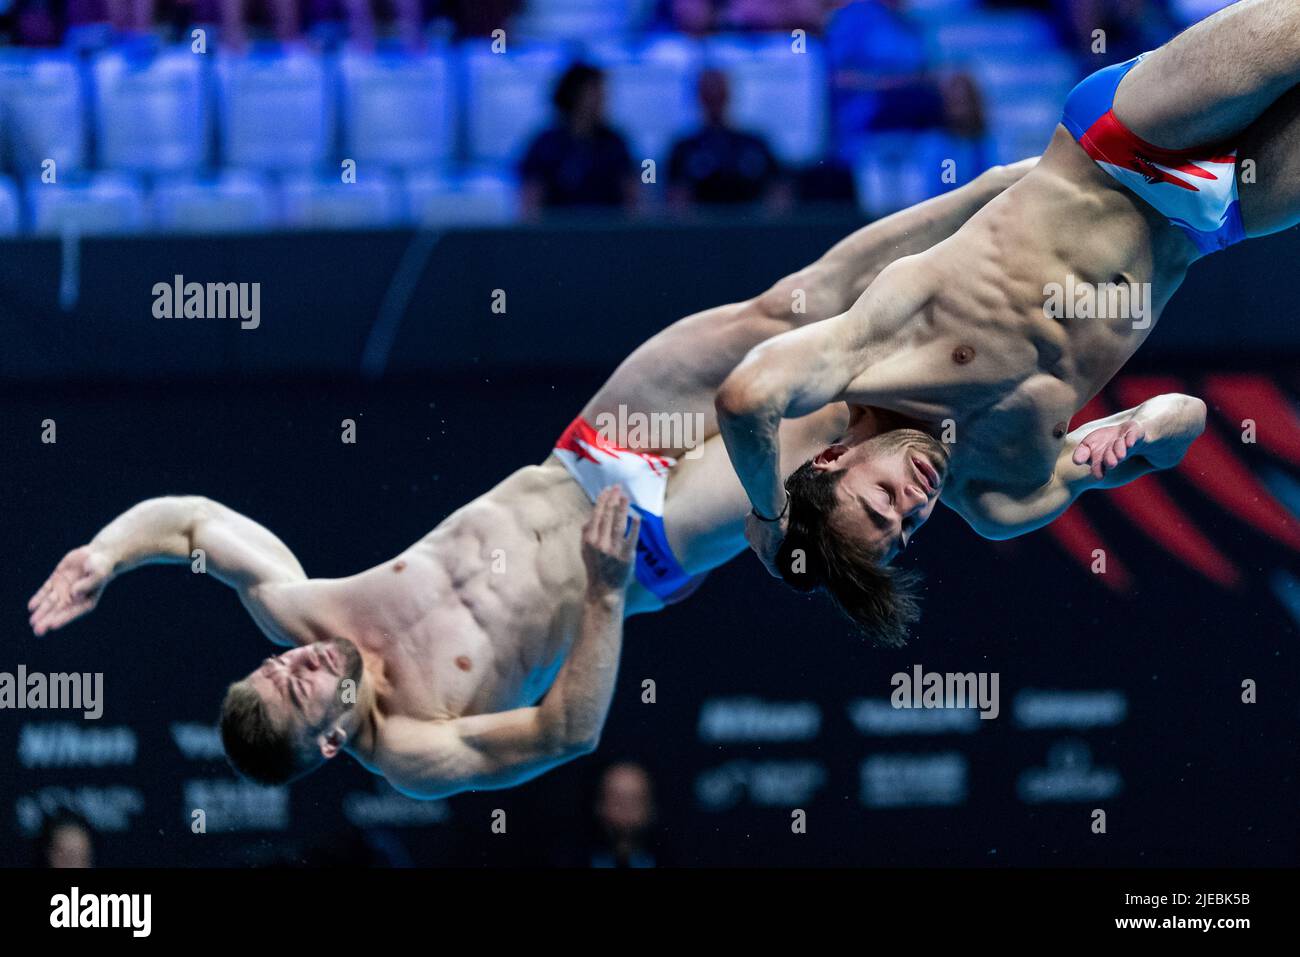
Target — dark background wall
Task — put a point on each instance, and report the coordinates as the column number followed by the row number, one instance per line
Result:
column 577, row 297
column 1126, row 698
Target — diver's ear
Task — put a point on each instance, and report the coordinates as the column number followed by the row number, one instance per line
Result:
column 332, row 743
column 824, row 459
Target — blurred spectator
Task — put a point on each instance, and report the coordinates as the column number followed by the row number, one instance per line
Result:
column 776, row 14
column 37, row 23
column 963, row 107
column 718, row 163
column 580, row 161
column 126, row 16
column 625, row 810
column 65, row 840
column 963, row 119
column 478, row 18
column 692, row 17
column 404, row 19
column 281, row 17
column 879, row 73
column 698, row 17
column 364, row 23
column 45, row 23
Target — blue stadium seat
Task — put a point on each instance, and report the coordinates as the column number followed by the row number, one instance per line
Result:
column 1023, row 97
column 102, row 203
column 1049, row 75
column 275, row 111
column 507, row 97
column 650, row 91
column 958, row 39
column 776, row 92
column 480, row 199
column 398, row 110
column 1023, row 129
column 309, row 202
column 10, row 207
column 229, row 202
column 150, row 113
column 897, row 170
column 42, row 112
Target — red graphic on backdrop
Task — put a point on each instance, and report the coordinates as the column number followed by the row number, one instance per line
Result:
column 1211, row 466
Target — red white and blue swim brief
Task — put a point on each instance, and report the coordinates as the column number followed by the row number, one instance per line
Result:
column 1196, row 189
column 595, row 464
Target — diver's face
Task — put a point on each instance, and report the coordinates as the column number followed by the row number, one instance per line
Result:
column 626, row 805
column 303, row 688
column 590, row 106
column 70, row 847
column 891, row 484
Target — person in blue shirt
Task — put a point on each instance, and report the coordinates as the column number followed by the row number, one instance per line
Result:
column 879, row 73
column 580, row 161
column 719, row 164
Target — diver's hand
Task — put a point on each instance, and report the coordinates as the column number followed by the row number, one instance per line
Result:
column 609, row 542
column 765, row 539
column 72, row 590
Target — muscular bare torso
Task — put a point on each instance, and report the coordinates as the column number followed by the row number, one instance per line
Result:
column 478, row 616
column 959, row 336
column 473, row 618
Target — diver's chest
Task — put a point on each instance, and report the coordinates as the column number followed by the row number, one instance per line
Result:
column 989, row 347
column 1020, row 435
column 519, row 647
